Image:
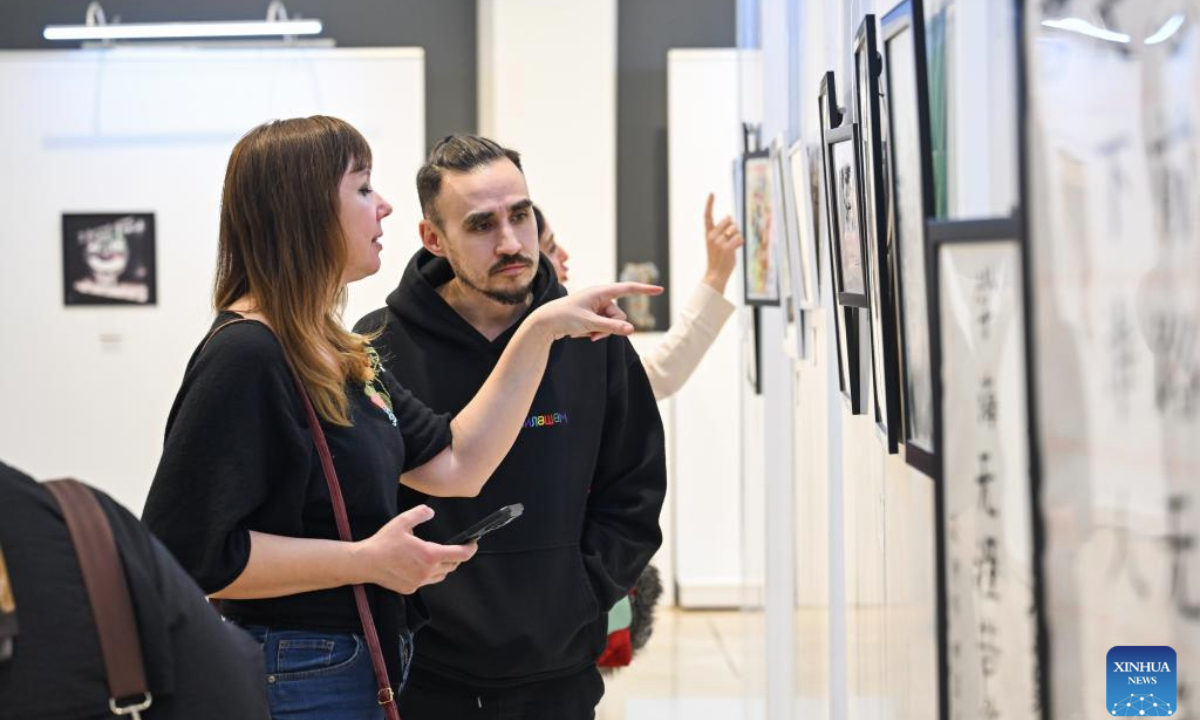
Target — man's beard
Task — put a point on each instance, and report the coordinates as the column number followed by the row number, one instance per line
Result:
column 518, row 296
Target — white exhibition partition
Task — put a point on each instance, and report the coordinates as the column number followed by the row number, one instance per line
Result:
column 548, row 89
column 703, row 140
column 86, row 390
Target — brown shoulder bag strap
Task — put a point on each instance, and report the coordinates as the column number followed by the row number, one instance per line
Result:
column 108, row 594
column 385, row 696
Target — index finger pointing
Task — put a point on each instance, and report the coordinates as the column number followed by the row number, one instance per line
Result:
column 708, row 206
column 616, row 290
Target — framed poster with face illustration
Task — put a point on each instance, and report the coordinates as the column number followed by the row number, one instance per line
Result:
column 842, row 208
column 759, row 263
column 905, row 132
column 885, row 361
column 108, row 259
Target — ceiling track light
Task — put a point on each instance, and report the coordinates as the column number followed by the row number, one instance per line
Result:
column 96, row 27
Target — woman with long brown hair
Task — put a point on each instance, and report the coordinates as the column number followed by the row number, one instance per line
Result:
column 243, row 494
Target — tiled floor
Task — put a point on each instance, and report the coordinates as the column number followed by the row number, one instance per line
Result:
column 697, row 665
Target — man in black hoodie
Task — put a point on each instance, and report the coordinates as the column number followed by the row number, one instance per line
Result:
column 516, row 632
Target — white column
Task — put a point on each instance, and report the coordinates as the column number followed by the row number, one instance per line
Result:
column 548, row 89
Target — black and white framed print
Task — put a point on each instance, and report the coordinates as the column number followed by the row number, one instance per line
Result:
column 108, row 259
column 1112, row 155
column 991, row 642
column 905, row 133
column 885, row 362
column 844, row 199
column 836, row 126
column 846, row 219
column 760, row 266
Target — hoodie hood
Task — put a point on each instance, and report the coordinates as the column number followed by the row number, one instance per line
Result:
column 416, row 301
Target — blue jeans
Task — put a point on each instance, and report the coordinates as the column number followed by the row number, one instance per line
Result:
column 322, row 676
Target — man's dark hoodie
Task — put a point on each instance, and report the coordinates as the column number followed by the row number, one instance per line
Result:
column 589, row 466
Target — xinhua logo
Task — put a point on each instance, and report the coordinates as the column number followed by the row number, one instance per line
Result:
column 1141, row 681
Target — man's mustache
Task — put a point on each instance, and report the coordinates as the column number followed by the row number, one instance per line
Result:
column 509, row 261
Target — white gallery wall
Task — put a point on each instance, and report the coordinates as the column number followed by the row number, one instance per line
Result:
column 548, row 89
column 703, row 138
column 86, row 390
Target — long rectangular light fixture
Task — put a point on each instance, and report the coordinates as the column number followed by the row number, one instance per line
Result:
column 146, row 31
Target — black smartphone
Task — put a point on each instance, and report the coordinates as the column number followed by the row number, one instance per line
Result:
column 495, row 521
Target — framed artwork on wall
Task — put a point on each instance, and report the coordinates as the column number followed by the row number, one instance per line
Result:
column 838, row 129
column 109, row 259
column 885, row 362
column 845, row 212
column 790, row 291
column 760, row 266
column 805, row 202
column 986, row 523
column 839, row 149
column 905, row 132
column 1112, row 156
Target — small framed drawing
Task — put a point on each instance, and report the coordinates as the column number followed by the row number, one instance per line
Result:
column 838, row 129
column 905, row 130
column 807, row 223
column 108, row 259
column 885, row 361
column 845, row 214
column 790, row 288
column 760, row 266
column 991, row 638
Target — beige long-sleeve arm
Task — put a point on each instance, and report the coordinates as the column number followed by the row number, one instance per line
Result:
column 673, row 360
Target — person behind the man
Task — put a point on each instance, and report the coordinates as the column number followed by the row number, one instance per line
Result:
column 517, row 631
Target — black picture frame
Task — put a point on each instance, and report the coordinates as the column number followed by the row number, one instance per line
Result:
column 837, row 124
column 758, row 176
column 752, row 349
column 844, row 191
column 885, row 361
column 910, row 182
column 970, row 235
column 109, row 259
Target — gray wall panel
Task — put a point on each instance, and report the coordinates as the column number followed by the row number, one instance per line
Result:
column 646, row 30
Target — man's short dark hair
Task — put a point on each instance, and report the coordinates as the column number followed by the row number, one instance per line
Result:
column 459, row 153
column 539, row 219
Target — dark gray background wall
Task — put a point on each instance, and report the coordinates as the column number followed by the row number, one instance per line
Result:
column 646, row 29
column 446, row 29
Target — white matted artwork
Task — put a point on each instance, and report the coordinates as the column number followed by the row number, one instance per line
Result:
column 991, row 627
column 790, row 291
column 803, row 181
column 1114, row 132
